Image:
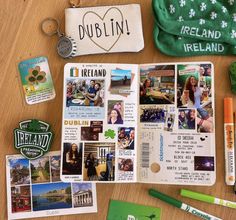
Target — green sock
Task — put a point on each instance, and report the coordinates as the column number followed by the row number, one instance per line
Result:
column 211, row 20
column 173, row 45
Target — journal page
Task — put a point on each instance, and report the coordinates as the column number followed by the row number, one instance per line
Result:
column 99, row 126
column 177, row 124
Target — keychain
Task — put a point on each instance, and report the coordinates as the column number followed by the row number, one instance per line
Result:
column 66, row 46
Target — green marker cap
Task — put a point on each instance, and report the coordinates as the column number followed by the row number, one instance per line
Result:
column 165, row 198
column 197, row 196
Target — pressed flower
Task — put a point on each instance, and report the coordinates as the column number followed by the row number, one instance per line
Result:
column 35, row 76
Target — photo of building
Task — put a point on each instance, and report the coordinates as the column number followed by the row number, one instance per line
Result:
column 82, row 194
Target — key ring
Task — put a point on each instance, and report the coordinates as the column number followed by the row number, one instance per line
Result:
column 47, row 24
column 73, row 4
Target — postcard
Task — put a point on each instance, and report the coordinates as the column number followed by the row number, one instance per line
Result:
column 34, row 189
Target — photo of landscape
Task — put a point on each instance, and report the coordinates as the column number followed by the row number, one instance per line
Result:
column 19, row 171
column 51, row 196
column 55, row 168
column 40, row 172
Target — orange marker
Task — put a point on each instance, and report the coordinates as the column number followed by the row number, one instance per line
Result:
column 229, row 141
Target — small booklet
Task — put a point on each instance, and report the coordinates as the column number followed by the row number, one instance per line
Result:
column 150, row 123
column 34, row 189
column 130, row 211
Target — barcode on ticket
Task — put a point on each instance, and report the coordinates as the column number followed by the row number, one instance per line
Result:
column 145, row 155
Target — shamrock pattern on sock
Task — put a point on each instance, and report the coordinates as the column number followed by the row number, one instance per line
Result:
column 213, row 1
column 224, row 24
column 231, row 2
column 233, row 34
column 182, row 3
column 234, row 17
column 224, row 9
column 203, row 6
column 172, row 9
column 180, row 19
column 202, row 21
column 213, row 15
column 191, row 13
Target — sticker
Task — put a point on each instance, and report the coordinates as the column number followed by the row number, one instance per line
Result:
column 36, row 80
column 33, row 138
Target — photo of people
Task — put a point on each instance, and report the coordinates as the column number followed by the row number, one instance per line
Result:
column 157, row 84
column 126, row 137
column 40, row 170
column 91, row 133
column 55, row 168
column 205, row 120
column 153, row 114
column 204, row 163
column 19, row 171
column 20, row 199
column 82, row 194
column 72, row 159
column 120, row 81
column 125, row 164
column 51, row 196
column 194, row 88
column 169, row 123
column 85, row 92
column 115, row 112
column 99, row 161
column 187, row 119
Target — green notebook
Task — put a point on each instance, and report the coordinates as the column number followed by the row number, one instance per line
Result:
column 119, row 210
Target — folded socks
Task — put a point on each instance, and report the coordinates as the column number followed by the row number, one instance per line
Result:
column 174, row 45
column 212, row 20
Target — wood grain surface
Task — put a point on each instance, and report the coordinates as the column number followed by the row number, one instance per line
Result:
column 21, row 38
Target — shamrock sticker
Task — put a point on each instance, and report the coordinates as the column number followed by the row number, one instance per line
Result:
column 110, row 134
column 35, row 76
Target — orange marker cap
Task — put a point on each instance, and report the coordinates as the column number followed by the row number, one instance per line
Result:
column 228, row 110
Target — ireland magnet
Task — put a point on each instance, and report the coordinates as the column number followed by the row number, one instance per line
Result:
column 33, row 138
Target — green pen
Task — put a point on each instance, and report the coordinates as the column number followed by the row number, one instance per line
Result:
column 182, row 205
column 207, row 198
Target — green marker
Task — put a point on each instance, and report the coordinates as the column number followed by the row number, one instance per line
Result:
column 207, row 198
column 182, row 205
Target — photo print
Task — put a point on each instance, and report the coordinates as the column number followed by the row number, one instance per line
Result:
column 187, row 119
column 99, row 161
column 20, row 199
column 55, row 168
column 125, row 164
column 153, row 114
column 157, row 84
column 194, row 86
column 204, row 163
column 51, row 196
column 126, row 137
column 40, row 170
column 85, row 92
column 115, row 113
column 205, row 120
column 19, row 171
column 120, row 82
column 91, row 133
column 72, row 159
column 169, row 123
column 82, row 194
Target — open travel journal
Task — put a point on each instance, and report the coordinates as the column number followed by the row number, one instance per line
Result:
column 150, row 123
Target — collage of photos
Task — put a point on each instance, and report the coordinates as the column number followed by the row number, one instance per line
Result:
column 72, row 159
column 36, row 186
column 115, row 112
column 194, row 96
column 99, row 161
column 85, row 92
column 157, row 84
column 121, row 82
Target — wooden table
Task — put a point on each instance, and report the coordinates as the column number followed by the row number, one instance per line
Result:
column 21, row 38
